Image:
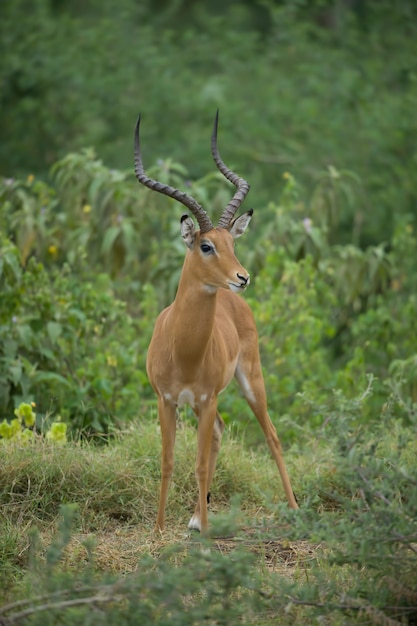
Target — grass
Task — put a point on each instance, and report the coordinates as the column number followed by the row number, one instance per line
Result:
column 119, row 482
column 116, row 486
column 115, row 489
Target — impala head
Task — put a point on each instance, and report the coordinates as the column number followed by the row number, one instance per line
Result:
column 211, row 254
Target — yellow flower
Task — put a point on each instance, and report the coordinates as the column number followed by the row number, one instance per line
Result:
column 87, row 208
column 53, row 250
column 30, row 178
column 286, row 176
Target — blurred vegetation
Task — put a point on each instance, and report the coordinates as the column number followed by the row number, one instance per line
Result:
column 302, row 85
column 88, row 257
column 82, row 280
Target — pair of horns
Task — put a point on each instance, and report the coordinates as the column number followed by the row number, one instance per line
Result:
column 242, row 187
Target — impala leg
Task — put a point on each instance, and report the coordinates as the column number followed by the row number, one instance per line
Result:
column 167, row 420
column 218, row 428
column 276, row 450
column 252, row 384
column 205, row 431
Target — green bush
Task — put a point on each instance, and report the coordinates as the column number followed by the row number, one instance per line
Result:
column 293, row 307
column 383, row 333
column 23, row 427
column 362, row 507
column 78, row 303
column 68, row 344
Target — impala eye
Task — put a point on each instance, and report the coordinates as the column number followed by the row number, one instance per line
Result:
column 205, row 248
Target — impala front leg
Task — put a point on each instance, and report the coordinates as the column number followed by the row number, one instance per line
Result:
column 203, row 466
column 216, row 440
column 167, row 420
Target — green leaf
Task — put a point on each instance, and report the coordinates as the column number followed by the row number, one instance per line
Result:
column 46, row 352
column 109, row 238
column 10, row 348
column 15, row 372
column 54, row 330
column 25, row 334
column 44, row 377
column 11, row 261
column 95, row 188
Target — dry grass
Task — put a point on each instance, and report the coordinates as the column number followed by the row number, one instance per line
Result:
column 120, row 551
column 115, row 487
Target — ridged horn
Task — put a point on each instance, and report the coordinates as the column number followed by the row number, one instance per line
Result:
column 188, row 201
column 241, row 184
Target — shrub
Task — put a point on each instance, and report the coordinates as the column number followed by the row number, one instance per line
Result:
column 68, row 344
column 22, row 428
column 293, row 307
column 362, row 507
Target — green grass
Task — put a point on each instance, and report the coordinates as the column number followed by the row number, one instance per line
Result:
column 280, row 566
column 120, row 481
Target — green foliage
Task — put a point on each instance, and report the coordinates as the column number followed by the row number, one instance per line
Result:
column 293, row 307
column 25, row 414
column 334, row 262
column 19, row 429
column 22, row 428
column 327, row 314
column 318, row 87
column 68, row 344
column 201, row 589
column 384, row 331
column 362, row 506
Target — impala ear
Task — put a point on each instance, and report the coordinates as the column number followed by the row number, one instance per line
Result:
column 188, row 231
column 240, row 224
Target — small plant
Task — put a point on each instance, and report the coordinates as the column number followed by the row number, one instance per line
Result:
column 22, row 427
column 193, row 586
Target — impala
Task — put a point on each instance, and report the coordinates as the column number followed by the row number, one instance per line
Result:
column 205, row 337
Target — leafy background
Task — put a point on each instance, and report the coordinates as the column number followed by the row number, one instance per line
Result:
column 317, row 108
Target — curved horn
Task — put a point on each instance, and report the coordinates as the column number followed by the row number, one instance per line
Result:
column 197, row 210
column 242, row 186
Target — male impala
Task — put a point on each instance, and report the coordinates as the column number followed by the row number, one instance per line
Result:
column 205, row 337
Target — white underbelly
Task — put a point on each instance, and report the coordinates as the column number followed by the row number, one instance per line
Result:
column 195, row 398
column 185, row 396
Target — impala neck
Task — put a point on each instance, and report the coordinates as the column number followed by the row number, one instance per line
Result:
column 192, row 317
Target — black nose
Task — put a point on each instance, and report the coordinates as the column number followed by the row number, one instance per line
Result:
column 242, row 279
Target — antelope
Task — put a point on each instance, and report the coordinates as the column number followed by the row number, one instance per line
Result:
column 205, row 337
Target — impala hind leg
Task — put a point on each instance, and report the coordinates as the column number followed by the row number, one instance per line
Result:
column 218, row 428
column 167, row 420
column 252, row 384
